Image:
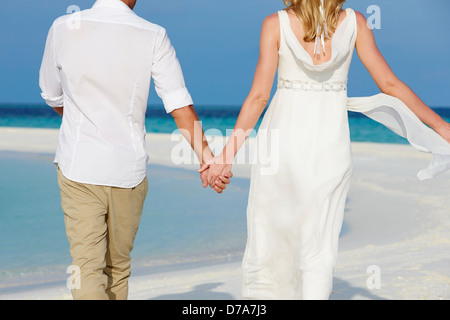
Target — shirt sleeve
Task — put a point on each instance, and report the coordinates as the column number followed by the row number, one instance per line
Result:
column 168, row 76
column 49, row 78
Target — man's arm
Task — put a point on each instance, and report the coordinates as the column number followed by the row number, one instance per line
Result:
column 59, row 110
column 171, row 88
column 190, row 127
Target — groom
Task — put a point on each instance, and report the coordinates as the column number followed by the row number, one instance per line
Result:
column 96, row 73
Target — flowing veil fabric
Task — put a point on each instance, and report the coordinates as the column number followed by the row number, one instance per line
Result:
column 395, row 115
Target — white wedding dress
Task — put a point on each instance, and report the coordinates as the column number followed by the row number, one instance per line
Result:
column 298, row 194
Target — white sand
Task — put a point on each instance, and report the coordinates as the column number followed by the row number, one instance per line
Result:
column 396, row 229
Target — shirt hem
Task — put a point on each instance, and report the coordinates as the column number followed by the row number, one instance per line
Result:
column 99, row 183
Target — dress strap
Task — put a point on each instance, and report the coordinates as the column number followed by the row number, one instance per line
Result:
column 352, row 16
column 284, row 22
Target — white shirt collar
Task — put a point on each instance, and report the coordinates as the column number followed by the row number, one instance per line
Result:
column 115, row 4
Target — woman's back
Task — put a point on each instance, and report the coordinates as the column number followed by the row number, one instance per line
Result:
column 296, row 57
column 299, row 31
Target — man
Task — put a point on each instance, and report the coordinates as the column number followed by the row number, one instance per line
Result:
column 96, row 73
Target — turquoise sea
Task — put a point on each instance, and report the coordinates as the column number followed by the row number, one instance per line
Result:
column 213, row 118
column 182, row 223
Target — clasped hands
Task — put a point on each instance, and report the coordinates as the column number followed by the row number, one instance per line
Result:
column 216, row 173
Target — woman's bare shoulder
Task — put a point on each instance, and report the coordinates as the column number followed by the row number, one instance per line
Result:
column 364, row 31
column 270, row 29
column 271, row 24
column 272, row 20
column 360, row 18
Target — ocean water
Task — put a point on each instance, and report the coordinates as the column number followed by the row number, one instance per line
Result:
column 214, row 119
column 181, row 223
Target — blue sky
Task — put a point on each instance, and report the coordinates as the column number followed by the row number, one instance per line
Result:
column 217, row 44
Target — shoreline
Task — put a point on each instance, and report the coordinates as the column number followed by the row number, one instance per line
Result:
column 161, row 145
column 392, row 221
column 52, row 286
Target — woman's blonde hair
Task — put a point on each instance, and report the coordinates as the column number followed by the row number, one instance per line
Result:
column 308, row 11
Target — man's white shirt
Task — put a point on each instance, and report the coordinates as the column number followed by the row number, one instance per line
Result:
column 98, row 65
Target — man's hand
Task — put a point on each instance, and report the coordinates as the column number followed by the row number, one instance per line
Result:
column 219, row 185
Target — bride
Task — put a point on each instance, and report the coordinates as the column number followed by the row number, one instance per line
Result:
column 295, row 213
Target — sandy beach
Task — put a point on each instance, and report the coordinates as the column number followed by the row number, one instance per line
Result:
column 395, row 242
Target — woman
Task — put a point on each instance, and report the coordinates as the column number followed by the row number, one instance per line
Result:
column 295, row 212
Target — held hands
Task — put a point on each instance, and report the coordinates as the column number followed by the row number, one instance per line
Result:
column 215, row 173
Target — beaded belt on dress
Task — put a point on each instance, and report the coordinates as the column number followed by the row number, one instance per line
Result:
column 312, row 86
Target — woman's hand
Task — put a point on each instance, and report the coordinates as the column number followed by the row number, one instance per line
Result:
column 221, row 183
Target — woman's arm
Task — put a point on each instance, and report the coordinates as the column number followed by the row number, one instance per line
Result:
column 256, row 101
column 388, row 82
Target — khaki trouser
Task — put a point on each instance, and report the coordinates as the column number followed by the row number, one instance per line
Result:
column 101, row 225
